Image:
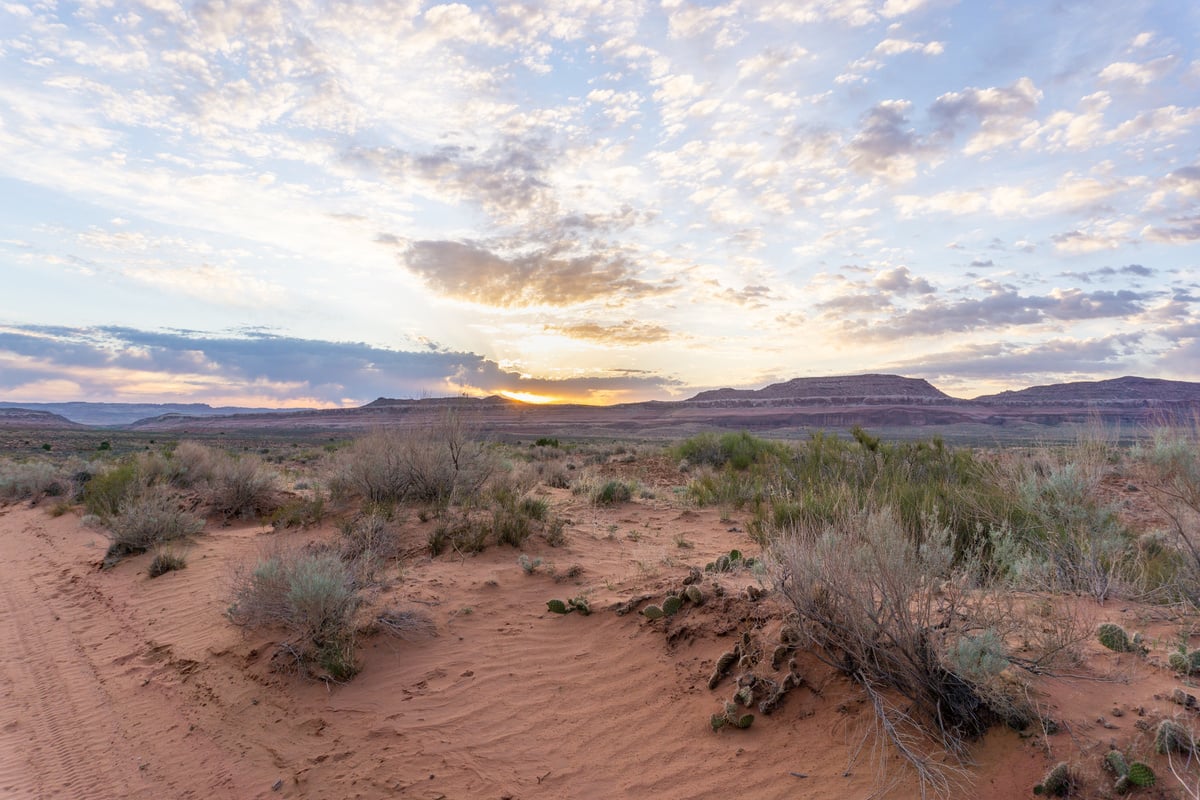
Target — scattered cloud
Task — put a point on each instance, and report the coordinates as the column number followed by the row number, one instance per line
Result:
column 593, row 186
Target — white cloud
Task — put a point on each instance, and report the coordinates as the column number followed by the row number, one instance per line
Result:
column 891, row 47
column 1138, row 74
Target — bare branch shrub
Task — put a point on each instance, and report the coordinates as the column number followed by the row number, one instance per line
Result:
column 437, row 464
column 879, row 609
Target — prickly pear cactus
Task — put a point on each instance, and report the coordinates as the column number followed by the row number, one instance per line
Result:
column 1171, row 737
column 653, row 612
column 722, row 564
column 694, row 594
column 1114, row 762
column 579, row 604
column 742, row 721
column 745, row 696
column 1140, row 774
column 557, row 606
column 1179, row 662
column 1114, row 637
column 735, row 555
column 779, row 655
column 718, row 721
column 1122, row 786
column 672, row 604
column 1057, row 781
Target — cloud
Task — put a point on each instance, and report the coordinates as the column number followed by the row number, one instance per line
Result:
column 1138, row 74
column 1002, row 113
column 900, row 281
column 628, row 333
column 1051, row 361
column 114, row 363
column 1000, row 308
column 886, row 144
column 1179, row 230
column 548, row 276
column 892, row 47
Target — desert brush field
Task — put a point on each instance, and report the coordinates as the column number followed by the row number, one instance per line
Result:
column 423, row 613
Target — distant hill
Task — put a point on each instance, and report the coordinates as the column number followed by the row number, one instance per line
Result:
column 30, row 418
column 836, row 387
column 113, row 414
column 1118, row 390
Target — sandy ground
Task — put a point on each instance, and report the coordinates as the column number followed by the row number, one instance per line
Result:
column 116, row 685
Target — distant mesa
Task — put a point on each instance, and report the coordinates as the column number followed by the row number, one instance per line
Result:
column 1126, row 389
column 835, row 387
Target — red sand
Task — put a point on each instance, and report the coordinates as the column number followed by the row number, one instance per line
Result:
column 115, row 685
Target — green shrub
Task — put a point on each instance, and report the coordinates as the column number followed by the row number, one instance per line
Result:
column 612, row 493
column 299, row 512
column 738, row 450
column 313, row 596
column 104, row 493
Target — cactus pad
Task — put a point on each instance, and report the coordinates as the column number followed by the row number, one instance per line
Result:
column 672, row 604
column 694, row 594
column 1114, row 637
column 1057, row 781
column 1114, row 762
column 652, row 612
column 1140, row 774
column 1171, row 737
column 557, row 606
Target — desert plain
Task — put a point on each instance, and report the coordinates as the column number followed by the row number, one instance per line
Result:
column 453, row 673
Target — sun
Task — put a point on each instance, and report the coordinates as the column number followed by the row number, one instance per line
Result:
column 528, row 397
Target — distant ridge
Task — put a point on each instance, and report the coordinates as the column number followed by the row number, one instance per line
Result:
column 32, row 418
column 787, row 408
column 111, row 414
column 1126, row 389
column 838, row 386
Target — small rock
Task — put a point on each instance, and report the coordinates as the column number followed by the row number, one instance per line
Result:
column 277, row 785
column 1116, row 712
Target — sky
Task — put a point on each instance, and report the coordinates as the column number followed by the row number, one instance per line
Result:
column 271, row 203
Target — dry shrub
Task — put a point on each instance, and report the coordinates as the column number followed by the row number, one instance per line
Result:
column 882, row 611
column 436, row 464
column 368, row 541
column 24, row 480
column 147, row 519
column 313, row 596
column 194, row 464
column 1172, row 465
column 407, row 624
column 241, row 487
